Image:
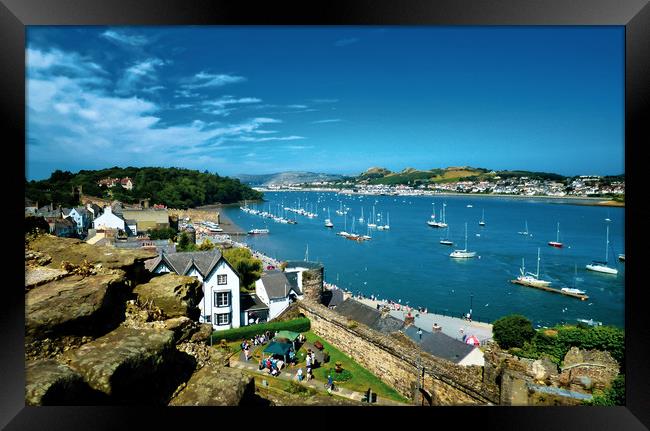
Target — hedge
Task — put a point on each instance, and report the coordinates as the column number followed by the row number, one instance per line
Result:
column 301, row 324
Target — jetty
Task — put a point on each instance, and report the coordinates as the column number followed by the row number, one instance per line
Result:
column 580, row 296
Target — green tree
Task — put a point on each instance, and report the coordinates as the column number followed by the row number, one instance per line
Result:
column 612, row 396
column 249, row 268
column 512, row 331
column 162, row 233
column 185, row 243
column 206, row 245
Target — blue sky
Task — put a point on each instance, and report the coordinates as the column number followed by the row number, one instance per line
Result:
column 327, row 99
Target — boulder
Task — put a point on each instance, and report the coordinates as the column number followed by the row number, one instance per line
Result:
column 75, row 305
column 215, row 386
column 48, row 382
column 123, row 363
column 543, row 369
column 203, row 334
column 182, row 327
column 176, row 295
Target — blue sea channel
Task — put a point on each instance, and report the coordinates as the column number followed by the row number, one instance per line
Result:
column 408, row 263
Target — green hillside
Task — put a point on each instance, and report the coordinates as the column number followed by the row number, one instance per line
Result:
column 173, row 187
column 413, row 176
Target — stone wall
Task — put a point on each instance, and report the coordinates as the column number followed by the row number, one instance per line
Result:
column 397, row 361
column 312, row 284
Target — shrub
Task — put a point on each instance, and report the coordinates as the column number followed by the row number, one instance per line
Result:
column 296, row 325
column 612, row 396
column 343, row 376
column 512, row 331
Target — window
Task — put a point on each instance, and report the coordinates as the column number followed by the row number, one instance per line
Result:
column 208, row 318
column 222, row 319
column 221, row 299
column 222, row 279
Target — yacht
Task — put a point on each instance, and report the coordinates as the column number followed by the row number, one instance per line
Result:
column 556, row 243
column 601, row 266
column 328, row 221
column 257, row 231
column 463, row 254
column 530, row 279
column 482, row 222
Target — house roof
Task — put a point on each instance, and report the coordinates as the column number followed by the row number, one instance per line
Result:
column 182, row 262
column 276, row 284
column 440, row 345
column 292, row 277
column 130, row 221
column 251, row 302
column 332, row 297
column 369, row 316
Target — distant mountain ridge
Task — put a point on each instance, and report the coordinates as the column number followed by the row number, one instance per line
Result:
column 281, row 178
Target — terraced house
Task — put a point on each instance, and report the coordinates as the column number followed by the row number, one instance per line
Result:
column 221, row 303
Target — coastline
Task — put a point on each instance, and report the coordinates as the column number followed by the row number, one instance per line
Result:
column 569, row 200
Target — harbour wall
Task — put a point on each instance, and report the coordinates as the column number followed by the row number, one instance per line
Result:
column 397, row 361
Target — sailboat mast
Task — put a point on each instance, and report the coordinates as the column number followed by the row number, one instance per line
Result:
column 537, row 275
column 465, row 235
column 557, row 237
column 607, row 245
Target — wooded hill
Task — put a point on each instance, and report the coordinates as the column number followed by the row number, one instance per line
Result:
column 173, row 187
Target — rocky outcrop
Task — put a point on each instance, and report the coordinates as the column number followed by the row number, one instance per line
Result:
column 175, row 295
column 48, row 382
column 215, row 386
column 36, row 276
column 75, row 305
column 56, row 252
column 588, row 369
column 123, row 360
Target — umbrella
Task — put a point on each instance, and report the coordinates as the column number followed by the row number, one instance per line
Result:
column 473, row 340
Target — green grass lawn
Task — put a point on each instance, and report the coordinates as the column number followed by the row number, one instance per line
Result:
column 361, row 380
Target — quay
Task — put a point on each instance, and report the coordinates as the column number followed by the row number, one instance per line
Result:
column 580, row 296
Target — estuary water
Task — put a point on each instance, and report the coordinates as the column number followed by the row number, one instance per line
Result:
column 408, row 263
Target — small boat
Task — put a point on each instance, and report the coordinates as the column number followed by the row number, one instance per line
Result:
column 257, row 231
column 373, row 224
column 601, row 266
column 469, row 206
column 463, row 254
column 572, row 290
column 556, row 243
column 482, row 222
column 525, row 232
column 445, row 240
column 361, row 219
column 441, row 223
column 530, row 279
column 328, row 222
column 621, row 257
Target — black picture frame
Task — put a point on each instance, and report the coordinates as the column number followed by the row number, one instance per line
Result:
column 633, row 14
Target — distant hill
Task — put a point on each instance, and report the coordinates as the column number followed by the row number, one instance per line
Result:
column 413, row 176
column 283, row 178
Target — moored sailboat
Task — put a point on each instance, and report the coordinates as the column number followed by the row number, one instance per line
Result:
column 530, row 279
column 601, row 266
column 556, row 243
column 463, row 254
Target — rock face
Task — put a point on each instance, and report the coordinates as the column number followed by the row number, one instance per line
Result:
column 543, row 370
column 74, row 305
column 115, row 363
column 176, row 295
column 588, row 369
column 51, row 383
column 41, row 275
column 215, row 386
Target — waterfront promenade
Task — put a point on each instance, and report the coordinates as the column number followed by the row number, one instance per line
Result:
column 451, row 326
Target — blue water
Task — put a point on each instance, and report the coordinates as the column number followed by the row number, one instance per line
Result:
column 408, row 263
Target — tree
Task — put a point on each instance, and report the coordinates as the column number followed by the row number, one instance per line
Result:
column 163, row 233
column 206, row 245
column 249, row 268
column 512, row 331
column 185, row 243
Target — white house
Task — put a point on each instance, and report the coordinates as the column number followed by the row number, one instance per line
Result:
column 278, row 290
column 221, row 304
column 109, row 220
column 81, row 217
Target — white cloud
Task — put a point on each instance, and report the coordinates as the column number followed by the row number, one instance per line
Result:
column 203, row 79
column 132, row 40
column 274, row 138
column 325, row 100
column 332, row 120
column 297, row 106
column 143, row 71
column 218, row 107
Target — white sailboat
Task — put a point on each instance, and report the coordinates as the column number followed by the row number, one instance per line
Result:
column 525, row 232
column 343, row 233
column 361, row 218
column 482, row 222
column 601, row 266
column 387, row 225
column 328, row 221
column 574, row 289
column 441, row 223
column 463, row 254
column 530, row 279
column 373, row 224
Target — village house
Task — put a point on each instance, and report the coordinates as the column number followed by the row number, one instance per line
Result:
column 221, row 304
column 277, row 290
column 82, row 218
column 147, row 218
column 110, row 220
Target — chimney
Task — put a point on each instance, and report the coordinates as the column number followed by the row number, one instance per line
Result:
column 108, row 210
